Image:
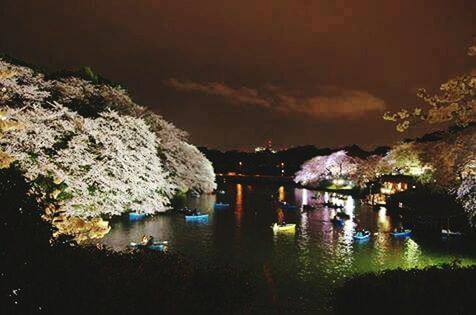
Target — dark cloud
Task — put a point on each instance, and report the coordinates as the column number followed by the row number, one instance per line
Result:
column 238, row 96
column 337, row 103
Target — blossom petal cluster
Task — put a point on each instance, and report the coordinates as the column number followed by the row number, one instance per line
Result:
column 320, row 168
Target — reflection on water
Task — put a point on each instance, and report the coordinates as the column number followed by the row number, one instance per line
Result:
column 281, row 194
column 239, row 203
column 301, row 267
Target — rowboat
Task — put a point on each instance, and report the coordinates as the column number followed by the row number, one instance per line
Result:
column 445, row 232
column 136, row 216
column 362, row 236
column 287, row 206
column 221, row 205
column 155, row 246
column 196, row 217
column 337, row 221
column 404, row 233
column 135, row 244
column 285, row 227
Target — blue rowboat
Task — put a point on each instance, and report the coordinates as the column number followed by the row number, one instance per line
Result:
column 157, row 247
column 359, row 236
column 197, row 217
column 337, row 221
column 221, row 205
column 405, row 233
column 287, row 206
column 136, row 216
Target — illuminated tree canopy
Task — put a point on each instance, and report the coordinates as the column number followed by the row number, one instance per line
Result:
column 456, row 102
column 337, row 165
column 90, row 150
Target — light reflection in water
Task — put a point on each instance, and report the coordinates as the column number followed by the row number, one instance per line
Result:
column 239, row 203
column 383, row 220
column 411, row 254
column 381, row 252
column 281, row 194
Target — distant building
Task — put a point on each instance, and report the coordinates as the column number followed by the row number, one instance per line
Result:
column 389, row 185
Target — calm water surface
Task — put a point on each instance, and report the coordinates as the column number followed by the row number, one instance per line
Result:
column 294, row 271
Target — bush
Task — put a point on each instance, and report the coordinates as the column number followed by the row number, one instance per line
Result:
column 446, row 289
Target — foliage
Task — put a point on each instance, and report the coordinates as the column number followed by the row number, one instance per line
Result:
column 321, row 168
column 6, row 124
column 189, row 168
column 369, row 170
column 456, row 102
column 89, row 149
column 109, row 165
column 20, row 86
column 449, row 157
column 466, row 195
column 410, row 291
column 405, row 159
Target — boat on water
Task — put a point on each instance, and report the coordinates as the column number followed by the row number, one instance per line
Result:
column 446, row 232
column 136, row 216
column 196, row 217
column 401, row 233
column 283, row 227
column 362, row 236
column 287, row 206
column 155, row 246
column 221, row 205
column 337, row 221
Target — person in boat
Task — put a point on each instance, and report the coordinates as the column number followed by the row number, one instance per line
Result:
column 282, row 223
column 147, row 240
column 195, row 211
column 361, row 232
column 398, row 230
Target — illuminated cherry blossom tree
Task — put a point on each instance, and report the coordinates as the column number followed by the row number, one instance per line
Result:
column 90, row 150
column 321, row 168
column 368, row 170
column 405, row 158
column 188, row 167
column 107, row 165
column 456, row 102
column 466, row 195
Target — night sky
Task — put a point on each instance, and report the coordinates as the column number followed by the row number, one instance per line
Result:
column 236, row 73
